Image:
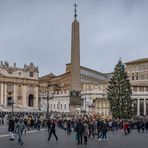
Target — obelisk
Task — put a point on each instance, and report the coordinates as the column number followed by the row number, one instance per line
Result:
column 75, row 90
column 75, row 55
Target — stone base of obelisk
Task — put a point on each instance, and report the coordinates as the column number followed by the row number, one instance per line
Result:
column 75, row 105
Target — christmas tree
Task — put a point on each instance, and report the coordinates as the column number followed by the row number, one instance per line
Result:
column 119, row 93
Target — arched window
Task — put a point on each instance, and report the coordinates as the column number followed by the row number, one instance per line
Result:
column 30, row 100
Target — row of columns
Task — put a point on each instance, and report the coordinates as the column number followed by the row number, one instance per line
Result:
column 4, row 95
column 144, row 106
column 101, row 105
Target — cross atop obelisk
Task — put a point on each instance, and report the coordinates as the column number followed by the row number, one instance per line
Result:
column 75, row 14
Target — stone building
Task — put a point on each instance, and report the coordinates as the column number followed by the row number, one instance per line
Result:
column 93, row 90
column 138, row 74
column 19, row 86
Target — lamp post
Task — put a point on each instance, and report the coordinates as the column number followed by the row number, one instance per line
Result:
column 48, row 96
column 12, row 105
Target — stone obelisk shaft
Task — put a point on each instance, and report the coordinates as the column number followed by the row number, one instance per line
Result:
column 75, row 57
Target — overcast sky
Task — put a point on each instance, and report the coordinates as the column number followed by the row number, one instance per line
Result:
column 39, row 31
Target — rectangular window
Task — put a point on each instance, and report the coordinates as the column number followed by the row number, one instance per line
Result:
column 65, row 106
column 31, row 74
column 9, row 101
column 137, row 76
column 61, row 106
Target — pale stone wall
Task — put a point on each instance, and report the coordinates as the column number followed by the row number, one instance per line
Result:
column 138, row 74
column 14, row 84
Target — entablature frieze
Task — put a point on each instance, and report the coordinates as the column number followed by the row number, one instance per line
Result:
column 19, row 81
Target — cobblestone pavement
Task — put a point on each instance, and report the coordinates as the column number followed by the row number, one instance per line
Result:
column 38, row 139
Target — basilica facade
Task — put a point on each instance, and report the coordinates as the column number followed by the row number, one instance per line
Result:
column 19, row 87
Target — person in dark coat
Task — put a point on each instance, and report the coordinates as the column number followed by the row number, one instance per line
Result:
column 104, row 131
column 11, row 128
column 49, row 125
column 80, row 131
column 69, row 127
column 53, row 131
column 86, row 132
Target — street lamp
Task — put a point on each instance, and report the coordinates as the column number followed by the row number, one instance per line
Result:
column 12, row 105
column 48, row 96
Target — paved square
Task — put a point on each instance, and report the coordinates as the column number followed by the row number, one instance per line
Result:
column 38, row 139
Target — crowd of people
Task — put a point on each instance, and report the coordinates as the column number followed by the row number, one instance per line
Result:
column 82, row 127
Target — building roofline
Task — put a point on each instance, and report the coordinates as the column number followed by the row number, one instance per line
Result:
column 103, row 74
column 62, row 74
column 143, row 60
column 48, row 75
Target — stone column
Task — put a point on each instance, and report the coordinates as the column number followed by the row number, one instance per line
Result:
column 138, row 107
column 2, row 95
column 36, row 97
column 15, row 97
column 5, row 95
column 24, row 99
column 144, row 106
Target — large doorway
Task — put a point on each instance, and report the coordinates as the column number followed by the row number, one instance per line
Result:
column 30, row 100
column 9, row 101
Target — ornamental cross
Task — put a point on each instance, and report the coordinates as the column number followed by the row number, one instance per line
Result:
column 75, row 5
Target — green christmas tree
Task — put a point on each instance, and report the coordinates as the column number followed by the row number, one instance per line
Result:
column 119, row 93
